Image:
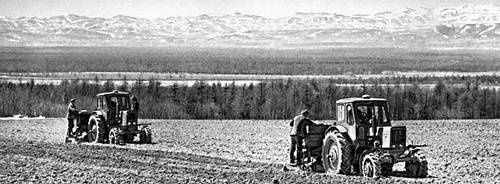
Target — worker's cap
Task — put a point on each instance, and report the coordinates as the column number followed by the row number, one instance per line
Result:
column 134, row 98
column 72, row 100
column 304, row 112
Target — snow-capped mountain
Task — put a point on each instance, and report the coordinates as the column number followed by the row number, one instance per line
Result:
column 467, row 24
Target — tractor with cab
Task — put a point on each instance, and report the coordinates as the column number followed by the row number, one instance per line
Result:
column 113, row 121
column 362, row 141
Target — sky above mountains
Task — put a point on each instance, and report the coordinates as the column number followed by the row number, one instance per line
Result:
column 166, row 8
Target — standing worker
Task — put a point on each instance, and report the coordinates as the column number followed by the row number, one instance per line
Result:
column 135, row 104
column 135, row 108
column 71, row 116
column 297, row 136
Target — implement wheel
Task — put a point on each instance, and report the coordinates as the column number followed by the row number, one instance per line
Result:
column 417, row 166
column 145, row 136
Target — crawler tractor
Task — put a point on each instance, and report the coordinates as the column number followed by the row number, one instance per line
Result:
column 362, row 141
column 113, row 121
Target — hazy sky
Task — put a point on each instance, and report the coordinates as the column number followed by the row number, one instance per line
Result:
column 165, row 8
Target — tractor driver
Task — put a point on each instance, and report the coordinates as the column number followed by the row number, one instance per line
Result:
column 297, row 135
column 364, row 114
column 112, row 105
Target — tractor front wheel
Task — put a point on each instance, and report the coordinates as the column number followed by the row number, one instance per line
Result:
column 92, row 134
column 371, row 166
column 114, row 137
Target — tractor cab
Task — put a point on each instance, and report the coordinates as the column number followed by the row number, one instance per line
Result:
column 367, row 122
column 362, row 141
column 115, row 107
column 115, row 122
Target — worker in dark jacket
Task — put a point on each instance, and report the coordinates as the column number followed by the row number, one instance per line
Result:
column 297, row 135
column 135, row 108
column 135, row 104
column 71, row 116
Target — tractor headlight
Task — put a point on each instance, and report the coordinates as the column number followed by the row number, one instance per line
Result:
column 387, row 158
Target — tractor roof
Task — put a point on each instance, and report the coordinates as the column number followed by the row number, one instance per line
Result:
column 113, row 93
column 365, row 98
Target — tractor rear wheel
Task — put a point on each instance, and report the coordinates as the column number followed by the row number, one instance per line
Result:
column 97, row 130
column 337, row 154
column 370, row 166
column 417, row 166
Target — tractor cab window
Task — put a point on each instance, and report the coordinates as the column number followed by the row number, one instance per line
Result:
column 369, row 114
column 103, row 101
column 380, row 116
column 350, row 115
column 118, row 101
column 364, row 114
column 99, row 103
column 340, row 113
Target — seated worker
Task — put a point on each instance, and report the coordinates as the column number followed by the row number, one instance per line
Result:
column 364, row 113
column 112, row 106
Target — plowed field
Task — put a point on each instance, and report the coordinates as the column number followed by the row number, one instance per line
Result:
column 227, row 151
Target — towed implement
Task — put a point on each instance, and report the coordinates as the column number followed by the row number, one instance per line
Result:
column 362, row 141
column 112, row 122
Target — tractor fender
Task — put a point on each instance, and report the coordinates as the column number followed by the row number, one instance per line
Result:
column 341, row 129
column 338, row 128
column 97, row 113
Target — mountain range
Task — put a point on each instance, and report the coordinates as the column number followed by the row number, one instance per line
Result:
column 462, row 26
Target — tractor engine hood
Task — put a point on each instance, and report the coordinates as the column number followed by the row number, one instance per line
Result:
column 393, row 137
column 128, row 117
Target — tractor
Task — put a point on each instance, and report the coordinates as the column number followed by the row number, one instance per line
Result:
column 361, row 141
column 113, row 121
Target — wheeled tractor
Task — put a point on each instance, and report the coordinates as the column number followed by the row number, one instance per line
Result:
column 112, row 122
column 361, row 141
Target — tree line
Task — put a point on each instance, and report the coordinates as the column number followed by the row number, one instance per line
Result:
column 276, row 99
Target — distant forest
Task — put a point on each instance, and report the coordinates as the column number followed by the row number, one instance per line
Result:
column 320, row 61
column 279, row 99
